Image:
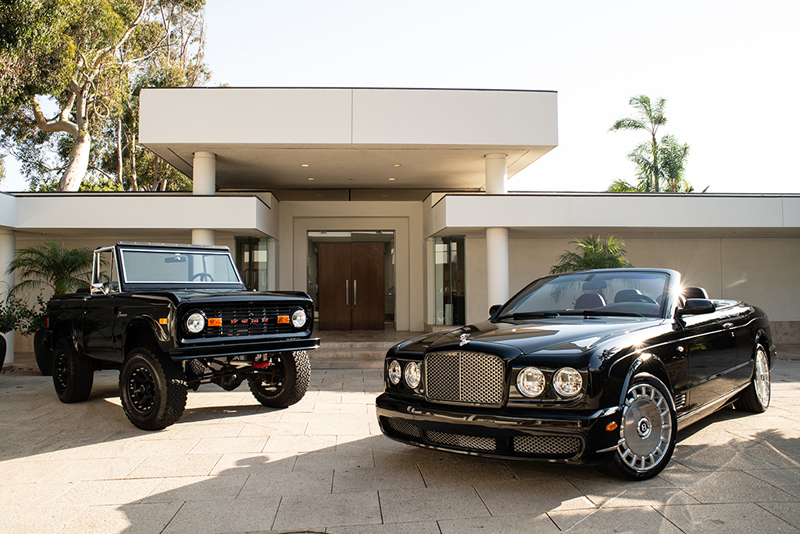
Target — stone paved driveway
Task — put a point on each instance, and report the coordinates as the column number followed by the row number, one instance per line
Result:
column 233, row 466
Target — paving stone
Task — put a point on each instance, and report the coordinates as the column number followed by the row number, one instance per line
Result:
column 318, row 511
column 742, row 518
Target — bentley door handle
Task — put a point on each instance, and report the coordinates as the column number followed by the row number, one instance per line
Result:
column 355, row 292
column 347, row 292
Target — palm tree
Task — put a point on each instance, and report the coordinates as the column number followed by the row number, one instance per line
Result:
column 648, row 118
column 51, row 265
column 593, row 253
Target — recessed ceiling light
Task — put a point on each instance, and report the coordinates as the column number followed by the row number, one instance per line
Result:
column 304, row 165
column 310, row 179
column 396, row 165
column 384, row 195
column 391, row 179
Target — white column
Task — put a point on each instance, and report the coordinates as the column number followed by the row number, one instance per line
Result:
column 497, row 265
column 496, row 238
column 496, row 174
column 7, row 254
column 204, row 182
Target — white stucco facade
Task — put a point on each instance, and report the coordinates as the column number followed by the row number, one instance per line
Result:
column 420, row 165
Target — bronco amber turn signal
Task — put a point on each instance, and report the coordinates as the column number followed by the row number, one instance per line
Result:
column 214, row 321
column 283, row 319
column 612, row 426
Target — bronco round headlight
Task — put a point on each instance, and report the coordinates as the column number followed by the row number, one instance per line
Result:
column 567, row 382
column 413, row 376
column 394, row 372
column 530, row 382
column 299, row 318
column 195, row 323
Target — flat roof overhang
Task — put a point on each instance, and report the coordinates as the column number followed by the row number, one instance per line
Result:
column 278, row 138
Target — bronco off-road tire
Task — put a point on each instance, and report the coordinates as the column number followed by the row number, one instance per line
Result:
column 73, row 373
column 293, row 376
column 152, row 388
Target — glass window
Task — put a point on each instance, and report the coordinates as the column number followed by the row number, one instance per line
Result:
column 449, row 295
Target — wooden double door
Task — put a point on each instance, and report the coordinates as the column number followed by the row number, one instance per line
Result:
column 351, row 286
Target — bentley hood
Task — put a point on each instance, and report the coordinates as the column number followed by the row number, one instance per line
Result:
column 554, row 336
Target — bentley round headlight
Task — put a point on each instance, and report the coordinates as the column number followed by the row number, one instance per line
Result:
column 413, row 376
column 394, row 372
column 195, row 323
column 567, row 382
column 530, row 382
column 299, row 318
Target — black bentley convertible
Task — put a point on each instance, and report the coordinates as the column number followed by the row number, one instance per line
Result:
column 600, row 367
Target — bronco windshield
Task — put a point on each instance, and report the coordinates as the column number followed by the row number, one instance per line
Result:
column 611, row 293
column 184, row 267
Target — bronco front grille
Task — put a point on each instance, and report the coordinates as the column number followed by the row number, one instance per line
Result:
column 464, row 377
column 248, row 321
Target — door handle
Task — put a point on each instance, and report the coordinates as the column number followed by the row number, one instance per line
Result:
column 727, row 325
column 355, row 292
column 347, row 292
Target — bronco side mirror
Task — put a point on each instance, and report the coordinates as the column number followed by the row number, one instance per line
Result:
column 696, row 307
column 99, row 288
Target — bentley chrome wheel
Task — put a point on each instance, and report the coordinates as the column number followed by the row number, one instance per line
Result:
column 646, row 431
column 761, row 378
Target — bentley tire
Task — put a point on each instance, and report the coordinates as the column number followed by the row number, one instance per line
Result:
column 756, row 397
column 647, row 431
column 152, row 388
column 289, row 383
column 73, row 373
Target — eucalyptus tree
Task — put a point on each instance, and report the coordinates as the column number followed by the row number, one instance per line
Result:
column 100, row 47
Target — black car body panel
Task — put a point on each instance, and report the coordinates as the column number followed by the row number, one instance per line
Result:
column 704, row 357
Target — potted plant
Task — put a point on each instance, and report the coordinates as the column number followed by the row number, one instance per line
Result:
column 48, row 266
column 12, row 312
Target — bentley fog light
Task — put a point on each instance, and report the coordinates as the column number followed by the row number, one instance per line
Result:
column 413, row 375
column 567, row 382
column 299, row 318
column 394, row 372
column 530, row 382
column 195, row 323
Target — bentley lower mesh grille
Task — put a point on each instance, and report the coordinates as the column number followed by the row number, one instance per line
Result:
column 462, row 442
column 402, row 427
column 549, row 446
column 468, row 377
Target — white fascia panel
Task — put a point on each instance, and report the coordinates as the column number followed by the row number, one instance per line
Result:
column 455, row 117
column 8, row 211
column 161, row 212
column 245, row 116
column 622, row 211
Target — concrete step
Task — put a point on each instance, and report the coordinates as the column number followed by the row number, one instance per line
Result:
column 350, row 355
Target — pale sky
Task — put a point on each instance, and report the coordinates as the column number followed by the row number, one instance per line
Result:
column 728, row 70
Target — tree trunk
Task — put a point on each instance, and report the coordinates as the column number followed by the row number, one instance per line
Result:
column 78, row 163
column 120, row 162
column 134, row 174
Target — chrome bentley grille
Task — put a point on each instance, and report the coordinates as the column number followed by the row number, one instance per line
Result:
column 547, row 445
column 464, row 377
column 248, row 321
column 462, row 442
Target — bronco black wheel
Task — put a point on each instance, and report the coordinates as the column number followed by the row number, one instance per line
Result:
column 647, row 431
column 73, row 373
column 757, row 395
column 152, row 388
column 288, row 382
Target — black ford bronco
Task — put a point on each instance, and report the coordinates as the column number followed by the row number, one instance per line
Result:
column 172, row 317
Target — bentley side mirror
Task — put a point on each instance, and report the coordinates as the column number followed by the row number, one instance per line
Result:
column 494, row 309
column 696, row 307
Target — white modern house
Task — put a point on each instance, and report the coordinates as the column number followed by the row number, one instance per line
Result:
column 390, row 206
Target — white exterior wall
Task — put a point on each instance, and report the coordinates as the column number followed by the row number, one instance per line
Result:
column 404, row 218
column 758, row 270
